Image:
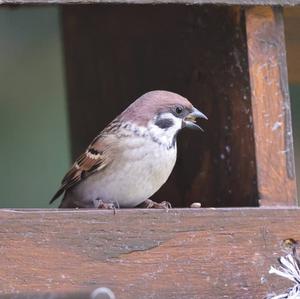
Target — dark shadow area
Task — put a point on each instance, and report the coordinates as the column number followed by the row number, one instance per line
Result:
column 115, row 53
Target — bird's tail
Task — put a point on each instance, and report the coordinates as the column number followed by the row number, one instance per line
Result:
column 60, row 191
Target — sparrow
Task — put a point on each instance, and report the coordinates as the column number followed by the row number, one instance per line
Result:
column 132, row 157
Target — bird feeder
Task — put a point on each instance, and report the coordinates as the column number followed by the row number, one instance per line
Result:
column 228, row 58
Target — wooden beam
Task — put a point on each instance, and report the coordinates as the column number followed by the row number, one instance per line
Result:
column 205, row 253
column 271, row 106
column 52, row 295
column 195, row 2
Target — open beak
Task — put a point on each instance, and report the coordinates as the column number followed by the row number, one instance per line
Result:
column 190, row 120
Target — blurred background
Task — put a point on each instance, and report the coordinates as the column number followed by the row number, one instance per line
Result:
column 35, row 145
column 34, row 133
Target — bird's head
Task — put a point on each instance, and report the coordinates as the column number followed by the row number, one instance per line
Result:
column 163, row 114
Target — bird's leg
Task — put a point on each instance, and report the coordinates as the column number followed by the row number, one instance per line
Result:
column 150, row 204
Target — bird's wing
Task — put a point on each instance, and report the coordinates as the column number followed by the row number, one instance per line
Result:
column 93, row 159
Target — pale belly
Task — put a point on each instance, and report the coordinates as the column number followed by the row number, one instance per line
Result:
column 132, row 178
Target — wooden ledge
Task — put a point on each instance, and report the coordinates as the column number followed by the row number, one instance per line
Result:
column 182, row 253
column 189, row 2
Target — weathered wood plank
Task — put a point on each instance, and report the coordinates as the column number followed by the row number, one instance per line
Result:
column 271, row 106
column 190, row 2
column 51, row 295
column 205, row 253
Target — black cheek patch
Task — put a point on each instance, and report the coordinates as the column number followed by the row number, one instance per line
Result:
column 164, row 123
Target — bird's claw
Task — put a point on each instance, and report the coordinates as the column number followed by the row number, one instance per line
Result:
column 107, row 206
column 150, row 204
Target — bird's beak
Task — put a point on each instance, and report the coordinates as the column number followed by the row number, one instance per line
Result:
column 190, row 120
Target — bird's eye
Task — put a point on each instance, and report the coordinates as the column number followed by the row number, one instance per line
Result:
column 178, row 110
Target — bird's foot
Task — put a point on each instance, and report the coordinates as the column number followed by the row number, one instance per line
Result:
column 150, row 204
column 107, row 206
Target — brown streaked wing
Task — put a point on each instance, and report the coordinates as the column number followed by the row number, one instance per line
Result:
column 89, row 162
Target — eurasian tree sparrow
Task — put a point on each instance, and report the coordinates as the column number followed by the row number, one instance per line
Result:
column 132, row 157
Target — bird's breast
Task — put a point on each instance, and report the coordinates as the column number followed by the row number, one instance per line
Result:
column 137, row 172
column 149, row 162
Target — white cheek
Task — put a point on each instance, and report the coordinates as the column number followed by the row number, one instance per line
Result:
column 166, row 135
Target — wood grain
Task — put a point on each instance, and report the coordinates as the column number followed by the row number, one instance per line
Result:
column 195, row 2
column 51, row 295
column 205, row 253
column 115, row 53
column 271, row 106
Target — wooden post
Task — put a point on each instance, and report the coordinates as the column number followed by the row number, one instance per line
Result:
column 271, row 106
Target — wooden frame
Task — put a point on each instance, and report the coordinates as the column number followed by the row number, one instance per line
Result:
column 191, row 2
column 271, row 106
column 206, row 253
column 209, row 253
